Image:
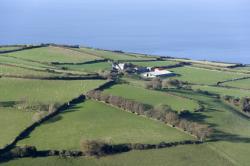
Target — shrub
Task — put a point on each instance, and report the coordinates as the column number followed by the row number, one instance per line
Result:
column 156, row 83
column 165, row 84
column 149, row 85
column 38, row 116
column 25, row 151
column 183, row 124
column 93, row 147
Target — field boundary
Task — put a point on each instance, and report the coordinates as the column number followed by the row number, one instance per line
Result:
column 90, row 77
column 108, row 149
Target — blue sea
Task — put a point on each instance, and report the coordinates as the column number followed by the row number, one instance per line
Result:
column 216, row 30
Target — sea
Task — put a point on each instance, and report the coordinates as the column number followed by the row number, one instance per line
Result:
column 216, row 30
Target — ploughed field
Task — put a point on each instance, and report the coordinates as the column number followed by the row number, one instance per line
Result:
column 35, row 82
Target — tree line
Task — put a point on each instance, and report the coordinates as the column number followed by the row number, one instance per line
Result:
column 157, row 84
column 162, row 113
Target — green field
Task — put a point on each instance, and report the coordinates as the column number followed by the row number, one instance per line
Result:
column 231, row 128
column 152, row 97
column 228, row 145
column 19, row 71
column 53, row 54
column 12, row 122
column 23, row 63
column 155, row 63
column 45, row 91
column 178, row 156
column 223, row 91
column 9, row 48
column 92, row 120
column 112, row 55
column 94, row 67
column 245, row 84
column 204, row 76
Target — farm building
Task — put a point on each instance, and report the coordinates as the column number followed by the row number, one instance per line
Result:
column 157, row 73
column 118, row 66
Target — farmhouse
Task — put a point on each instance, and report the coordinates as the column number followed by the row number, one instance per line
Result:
column 157, row 73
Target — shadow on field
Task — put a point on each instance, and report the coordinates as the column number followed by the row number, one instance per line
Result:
column 196, row 117
column 60, row 117
column 223, row 136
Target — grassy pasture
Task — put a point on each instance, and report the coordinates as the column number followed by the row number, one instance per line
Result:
column 45, row 91
column 53, row 54
column 204, row 76
column 232, row 128
column 194, row 155
column 13, row 70
column 96, row 120
column 112, row 55
column 205, row 63
column 12, row 122
column 245, row 84
column 94, row 67
column 152, row 97
column 243, row 68
column 223, row 91
column 8, row 48
column 155, row 63
column 22, row 63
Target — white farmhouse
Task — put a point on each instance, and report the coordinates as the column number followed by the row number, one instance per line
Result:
column 157, row 73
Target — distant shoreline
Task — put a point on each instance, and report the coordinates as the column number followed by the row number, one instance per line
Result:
column 126, row 52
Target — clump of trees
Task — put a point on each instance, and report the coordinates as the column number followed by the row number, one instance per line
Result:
column 162, row 113
column 44, row 111
column 107, row 74
column 157, row 83
column 93, row 147
column 38, row 116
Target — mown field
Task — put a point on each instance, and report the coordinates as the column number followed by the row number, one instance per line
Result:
column 204, row 76
column 152, row 97
column 53, row 54
column 22, row 63
column 112, row 55
column 92, row 120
